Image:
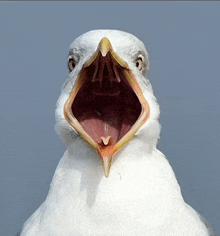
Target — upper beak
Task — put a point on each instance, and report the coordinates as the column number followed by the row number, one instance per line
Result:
column 104, row 47
column 107, row 148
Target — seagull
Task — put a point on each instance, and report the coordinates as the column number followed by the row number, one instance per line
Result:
column 112, row 179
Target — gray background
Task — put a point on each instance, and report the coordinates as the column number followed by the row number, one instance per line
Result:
column 182, row 39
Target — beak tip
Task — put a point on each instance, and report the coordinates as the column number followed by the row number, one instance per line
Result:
column 104, row 46
column 104, row 52
column 106, row 174
column 107, row 162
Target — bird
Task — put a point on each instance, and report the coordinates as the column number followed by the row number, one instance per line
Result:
column 112, row 179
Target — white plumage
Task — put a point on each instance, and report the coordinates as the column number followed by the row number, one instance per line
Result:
column 140, row 197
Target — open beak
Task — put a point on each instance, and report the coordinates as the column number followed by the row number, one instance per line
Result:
column 106, row 105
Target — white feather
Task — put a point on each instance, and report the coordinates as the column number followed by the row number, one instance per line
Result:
column 140, row 197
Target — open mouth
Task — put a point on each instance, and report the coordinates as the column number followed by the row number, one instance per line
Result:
column 106, row 106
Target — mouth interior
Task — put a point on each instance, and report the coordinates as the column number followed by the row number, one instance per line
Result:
column 106, row 105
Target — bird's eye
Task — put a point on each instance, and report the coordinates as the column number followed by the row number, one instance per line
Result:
column 139, row 63
column 71, row 64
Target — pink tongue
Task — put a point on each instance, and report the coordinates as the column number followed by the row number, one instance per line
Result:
column 128, row 119
column 91, row 123
column 111, row 122
column 104, row 123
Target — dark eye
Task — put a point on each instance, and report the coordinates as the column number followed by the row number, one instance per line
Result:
column 71, row 64
column 139, row 63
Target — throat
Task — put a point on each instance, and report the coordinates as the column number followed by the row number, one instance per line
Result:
column 106, row 110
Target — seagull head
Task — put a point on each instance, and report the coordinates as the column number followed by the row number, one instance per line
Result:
column 107, row 99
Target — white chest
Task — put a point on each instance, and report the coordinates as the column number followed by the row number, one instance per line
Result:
column 141, row 197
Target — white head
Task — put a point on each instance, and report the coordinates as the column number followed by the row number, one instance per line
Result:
column 107, row 98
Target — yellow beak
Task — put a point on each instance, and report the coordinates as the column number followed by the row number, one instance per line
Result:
column 107, row 148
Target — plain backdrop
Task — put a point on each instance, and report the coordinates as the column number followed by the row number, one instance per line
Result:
column 182, row 39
